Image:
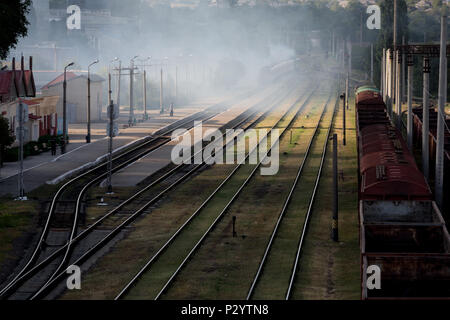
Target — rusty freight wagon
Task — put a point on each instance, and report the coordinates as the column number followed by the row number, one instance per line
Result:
column 402, row 231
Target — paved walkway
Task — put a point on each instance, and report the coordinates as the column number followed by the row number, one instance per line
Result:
column 45, row 167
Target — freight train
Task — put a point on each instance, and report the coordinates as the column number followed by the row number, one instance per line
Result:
column 403, row 238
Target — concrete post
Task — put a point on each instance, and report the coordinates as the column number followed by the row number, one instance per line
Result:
column 110, row 144
column 409, row 128
column 334, row 227
column 398, row 98
column 403, row 71
column 21, row 119
column 371, row 62
column 118, row 85
column 382, row 78
column 88, row 136
column 425, row 118
column 144, row 91
column 439, row 179
column 131, row 117
column 391, row 84
column 161, row 105
column 346, row 91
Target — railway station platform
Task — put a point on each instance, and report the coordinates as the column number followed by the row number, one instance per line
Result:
column 160, row 158
column 45, row 168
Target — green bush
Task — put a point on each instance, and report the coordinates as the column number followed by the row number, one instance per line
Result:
column 12, row 154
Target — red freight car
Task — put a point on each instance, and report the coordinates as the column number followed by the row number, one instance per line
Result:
column 402, row 232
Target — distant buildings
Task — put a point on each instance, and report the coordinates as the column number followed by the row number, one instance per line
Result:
column 76, row 96
column 45, row 113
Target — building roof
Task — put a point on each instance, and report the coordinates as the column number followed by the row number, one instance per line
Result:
column 21, row 78
column 71, row 76
column 5, row 81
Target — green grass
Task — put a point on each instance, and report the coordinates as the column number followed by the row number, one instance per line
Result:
column 149, row 233
column 330, row 270
column 224, row 266
column 274, row 279
column 15, row 219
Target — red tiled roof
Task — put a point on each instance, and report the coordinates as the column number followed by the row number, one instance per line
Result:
column 33, row 101
column 33, row 117
column 59, row 79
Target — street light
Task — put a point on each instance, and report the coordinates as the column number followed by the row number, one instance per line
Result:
column 88, row 136
column 63, row 144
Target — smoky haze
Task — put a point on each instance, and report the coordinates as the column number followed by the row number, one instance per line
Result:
column 213, row 48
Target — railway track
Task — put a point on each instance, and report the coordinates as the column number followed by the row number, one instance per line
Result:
column 183, row 230
column 66, row 204
column 137, row 204
column 266, row 279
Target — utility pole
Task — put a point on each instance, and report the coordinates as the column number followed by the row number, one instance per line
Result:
column 346, row 92
column 88, row 136
column 391, row 83
column 343, row 98
column 176, row 84
column 439, row 180
column 409, row 128
column 144, row 90
column 334, row 227
column 64, row 140
column 118, row 85
column 22, row 117
column 403, row 71
column 425, row 118
column 398, row 98
column 110, row 145
column 131, row 118
column 371, row 62
column 161, row 105
column 383, row 75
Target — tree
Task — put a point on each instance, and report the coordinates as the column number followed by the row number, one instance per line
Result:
column 13, row 23
column 6, row 138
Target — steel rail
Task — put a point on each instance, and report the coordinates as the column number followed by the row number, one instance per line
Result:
column 287, row 201
column 179, row 230
column 311, row 203
column 78, row 206
column 126, row 222
column 45, row 230
column 84, row 233
column 221, row 214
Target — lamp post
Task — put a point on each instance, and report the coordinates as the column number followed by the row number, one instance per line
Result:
column 64, row 141
column 88, row 136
